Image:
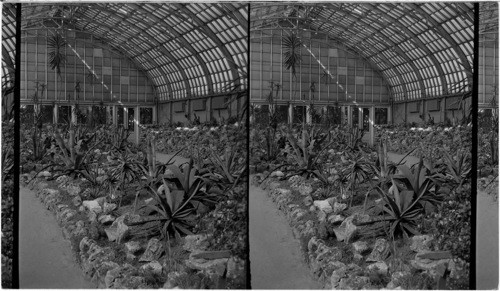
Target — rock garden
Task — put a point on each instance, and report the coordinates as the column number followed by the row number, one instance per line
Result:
column 156, row 215
column 391, row 216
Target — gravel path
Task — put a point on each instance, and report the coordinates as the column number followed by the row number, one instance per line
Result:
column 275, row 256
column 46, row 260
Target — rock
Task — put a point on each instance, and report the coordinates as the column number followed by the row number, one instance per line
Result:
column 93, row 231
column 397, row 278
column 346, row 230
column 312, row 208
column 305, row 189
column 296, row 180
column 421, row 243
column 361, row 218
column 195, row 242
column 439, row 255
column 339, row 207
column 77, row 201
column 217, row 266
column 172, row 278
column 44, row 174
column 104, row 219
column 108, row 207
column 73, row 190
column 80, row 229
column 313, row 244
column 153, row 251
column 277, row 174
column 322, row 231
column 118, row 230
column 133, row 247
column 335, row 218
column 380, row 268
column 360, row 246
column 339, row 271
column 308, row 201
column 435, row 263
column 93, row 206
column 210, row 255
column 236, row 269
column 321, row 216
column 153, row 266
column 355, row 283
column 323, row 205
column 379, row 252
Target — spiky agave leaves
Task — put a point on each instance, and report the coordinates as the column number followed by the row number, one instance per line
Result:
column 291, row 52
column 56, row 49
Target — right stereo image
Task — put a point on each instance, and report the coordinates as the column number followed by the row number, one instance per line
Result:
column 364, row 168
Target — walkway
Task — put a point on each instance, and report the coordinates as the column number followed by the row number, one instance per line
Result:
column 275, row 256
column 45, row 258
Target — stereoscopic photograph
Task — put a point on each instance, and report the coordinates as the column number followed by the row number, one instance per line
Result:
column 261, row 145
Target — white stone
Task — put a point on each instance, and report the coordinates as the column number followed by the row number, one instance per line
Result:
column 323, row 205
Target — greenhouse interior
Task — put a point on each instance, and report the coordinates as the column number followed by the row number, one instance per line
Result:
column 132, row 133
column 361, row 134
column 238, row 145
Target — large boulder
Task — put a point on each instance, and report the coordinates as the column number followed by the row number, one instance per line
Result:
column 93, row 205
column 435, row 263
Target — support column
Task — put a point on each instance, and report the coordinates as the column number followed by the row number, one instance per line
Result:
column 349, row 115
column 371, row 123
column 73, row 114
column 389, row 115
column 55, row 115
column 290, row 113
column 360, row 118
column 125, row 118
column 308, row 114
column 137, row 115
column 115, row 115
column 155, row 115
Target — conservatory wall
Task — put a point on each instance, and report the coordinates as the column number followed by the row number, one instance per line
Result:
column 103, row 75
column 488, row 73
column 437, row 109
column 206, row 109
column 327, row 73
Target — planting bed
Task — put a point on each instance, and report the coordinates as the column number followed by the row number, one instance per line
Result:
column 364, row 218
column 135, row 222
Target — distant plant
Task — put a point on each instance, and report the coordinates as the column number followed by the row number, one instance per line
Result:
column 228, row 165
column 306, row 151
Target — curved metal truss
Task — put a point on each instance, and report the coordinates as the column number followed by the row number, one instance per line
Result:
column 187, row 50
column 422, row 49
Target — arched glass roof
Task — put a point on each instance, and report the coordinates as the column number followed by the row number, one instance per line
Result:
column 421, row 49
column 8, row 45
column 187, row 50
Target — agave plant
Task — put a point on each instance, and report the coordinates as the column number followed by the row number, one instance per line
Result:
column 401, row 209
column 424, row 186
column 357, row 171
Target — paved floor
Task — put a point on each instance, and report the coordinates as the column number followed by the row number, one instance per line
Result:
column 46, row 260
column 275, row 256
column 486, row 242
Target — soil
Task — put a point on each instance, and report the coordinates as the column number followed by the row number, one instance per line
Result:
column 275, row 257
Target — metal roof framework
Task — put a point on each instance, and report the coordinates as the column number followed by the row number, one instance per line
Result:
column 187, row 50
column 422, row 49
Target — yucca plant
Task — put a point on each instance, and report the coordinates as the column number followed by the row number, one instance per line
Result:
column 56, row 50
